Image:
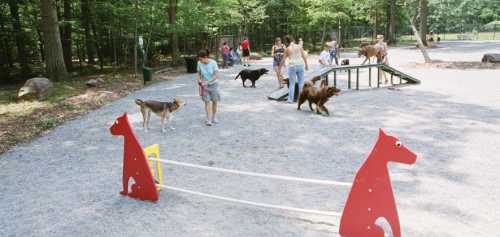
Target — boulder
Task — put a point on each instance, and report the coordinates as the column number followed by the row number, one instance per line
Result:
column 92, row 83
column 38, row 87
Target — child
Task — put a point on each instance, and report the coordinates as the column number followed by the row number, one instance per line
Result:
column 208, row 80
column 324, row 57
column 382, row 55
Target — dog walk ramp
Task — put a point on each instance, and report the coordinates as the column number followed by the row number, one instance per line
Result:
column 353, row 77
column 282, row 93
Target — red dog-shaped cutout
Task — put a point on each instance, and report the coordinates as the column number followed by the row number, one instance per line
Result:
column 135, row 164
column 371, row 197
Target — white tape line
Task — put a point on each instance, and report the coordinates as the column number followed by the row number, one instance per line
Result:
column 258, row 204
column 270, row 176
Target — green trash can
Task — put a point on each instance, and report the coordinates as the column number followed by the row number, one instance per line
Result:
column 191, row 64
column 147, row 74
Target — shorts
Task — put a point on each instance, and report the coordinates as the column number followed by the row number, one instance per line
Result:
column 246, row 53
column 277, row 63
column 211, row 93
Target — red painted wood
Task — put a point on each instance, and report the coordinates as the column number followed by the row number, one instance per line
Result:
column 371, row 194
column 135, row 164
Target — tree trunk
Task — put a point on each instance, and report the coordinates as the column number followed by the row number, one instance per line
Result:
column 323, row 36
column 172, row 20
column 6, row 52
column 66, row 35
column 85, row 8
column 424, row 11
column 20, row 37
column 419, row 40
column 56, row 69
column 392, row 22
column 97, row 46
column 375, row 24
column 136, row 37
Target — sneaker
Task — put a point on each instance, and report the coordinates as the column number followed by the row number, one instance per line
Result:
column 215, row 121
column 208, row 123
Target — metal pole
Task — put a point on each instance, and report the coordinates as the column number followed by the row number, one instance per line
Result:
column 335, row 78
column 378, row 77
column 357, row 78
column 370, row 77
column 349, row 78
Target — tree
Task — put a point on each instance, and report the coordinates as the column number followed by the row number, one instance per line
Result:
column 392, row 22
column 424, row 11
column 54, row 60
column 20, row 38
column 86, row 23
column 66, row 34
column 413, row 24
column 172, row 21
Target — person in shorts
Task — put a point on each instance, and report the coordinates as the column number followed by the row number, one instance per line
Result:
column 208, row 80
column 277, row 53
column 245, row 47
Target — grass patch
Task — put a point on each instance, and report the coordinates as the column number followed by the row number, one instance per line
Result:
column 22, row 120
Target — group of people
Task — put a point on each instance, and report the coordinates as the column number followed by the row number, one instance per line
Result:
column 296, row 57
column 230, row 55
column 292, row 53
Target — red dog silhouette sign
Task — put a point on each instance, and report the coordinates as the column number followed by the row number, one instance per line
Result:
column 371, row 198
column 135, row 164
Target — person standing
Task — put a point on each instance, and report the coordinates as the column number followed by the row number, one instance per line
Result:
column 382, row 55
column 297, row 62
column 277, row 53
column 208, row 81
column 225, row 51
column 245, row 48
column 324, row 57
column 333, row 51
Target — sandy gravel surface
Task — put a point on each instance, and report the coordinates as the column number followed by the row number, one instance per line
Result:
column 67, row 182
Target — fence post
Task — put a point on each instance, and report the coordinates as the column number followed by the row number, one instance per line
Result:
column 357, row 78
column 349, row 78
column 370, row 76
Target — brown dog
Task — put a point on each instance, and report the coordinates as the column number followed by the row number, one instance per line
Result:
column 369, row 51
column 317, row 96
column 162, row 109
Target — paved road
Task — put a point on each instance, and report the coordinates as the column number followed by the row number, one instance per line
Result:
column 66, row 183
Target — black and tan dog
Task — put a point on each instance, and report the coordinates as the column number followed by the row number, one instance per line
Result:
column 162, row 109
column 317, row 96
column 252, row 75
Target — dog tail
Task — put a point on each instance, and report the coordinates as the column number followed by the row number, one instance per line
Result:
column 239, row 74
column 139, row 102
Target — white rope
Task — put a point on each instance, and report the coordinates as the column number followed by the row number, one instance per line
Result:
column 270, row 176
column 258, row 204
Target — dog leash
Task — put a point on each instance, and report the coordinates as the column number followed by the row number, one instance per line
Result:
column 202, row 88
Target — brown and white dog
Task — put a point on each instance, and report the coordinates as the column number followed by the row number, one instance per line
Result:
column 163, row 109
column 317, row 96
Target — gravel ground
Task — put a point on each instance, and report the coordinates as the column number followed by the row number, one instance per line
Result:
column 66, row 183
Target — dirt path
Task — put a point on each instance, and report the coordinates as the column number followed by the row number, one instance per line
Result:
column 67, row 182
